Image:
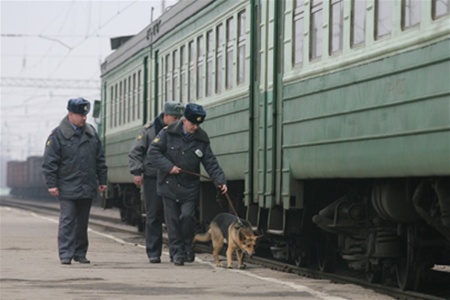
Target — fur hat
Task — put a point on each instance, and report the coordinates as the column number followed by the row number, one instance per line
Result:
column 79, row 106
column 173, row 108
column 194, row 113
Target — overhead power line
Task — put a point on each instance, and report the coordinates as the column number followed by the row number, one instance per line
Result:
column 54, row 36
column 50, row 83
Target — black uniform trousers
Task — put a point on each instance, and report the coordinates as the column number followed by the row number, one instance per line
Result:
column 154, row 217
column 73, row 226
column 180, row 221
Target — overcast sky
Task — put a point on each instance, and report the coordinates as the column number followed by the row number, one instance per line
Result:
column 55, row 40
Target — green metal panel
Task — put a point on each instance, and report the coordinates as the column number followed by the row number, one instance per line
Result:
column 117, row 148
column 388, row 118
column 267, row 151
column 268, row 158
column 227, row 126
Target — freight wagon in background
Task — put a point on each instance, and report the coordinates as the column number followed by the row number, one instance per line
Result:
column 25, row 178
column 16, row 176
column 330, row 118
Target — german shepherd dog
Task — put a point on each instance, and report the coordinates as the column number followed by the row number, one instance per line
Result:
column 237, row 232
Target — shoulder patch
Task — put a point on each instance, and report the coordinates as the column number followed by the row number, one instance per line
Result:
column 156, row 140
column 147, row 125
column 139, row 137
column 48, row 142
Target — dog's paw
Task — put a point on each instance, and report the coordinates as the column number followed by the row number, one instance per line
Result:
column 230, row 267
column 242, row 267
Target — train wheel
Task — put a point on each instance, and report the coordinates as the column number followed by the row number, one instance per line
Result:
column 374, row 273
column 374, row 270
column 407, row 270
column 302, row 257
column 326, row 252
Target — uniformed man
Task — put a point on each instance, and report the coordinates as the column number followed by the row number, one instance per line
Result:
column 75, row 171
column 183, row 145
column 144, row 174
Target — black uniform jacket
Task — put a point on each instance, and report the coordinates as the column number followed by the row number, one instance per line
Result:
column 74, row 163
column 137, row 157
column 171, row 147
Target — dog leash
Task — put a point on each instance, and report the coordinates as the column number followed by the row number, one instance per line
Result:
column 213, row 180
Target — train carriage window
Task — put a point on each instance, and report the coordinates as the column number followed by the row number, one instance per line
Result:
column 129, row 100
column 123, row 111
column 175, row 82
column 116, row 104
column 162, row 79
column 440, row 8
column 200, row 67
column 134, row 96
column 298, row 38
column 229, row 70
column 120, row 104
column 191, row 85
column 358, row 34
column 219, row 60
column 336, row 26
column 111, row 112
column 168, row 75
column 241, row 48
column 316, row 29
column 124, row 97
column 411, row 13
column 383, row 18
column 209, row 62
column 139, row 101
column 183, row 73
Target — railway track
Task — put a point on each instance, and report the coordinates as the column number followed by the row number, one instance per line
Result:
column 436, row 283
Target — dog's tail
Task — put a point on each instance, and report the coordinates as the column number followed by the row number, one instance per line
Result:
column 202, row 237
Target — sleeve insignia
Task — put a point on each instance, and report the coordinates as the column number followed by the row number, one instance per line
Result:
column 139, row 137
column 48, row 142
column 156, row 140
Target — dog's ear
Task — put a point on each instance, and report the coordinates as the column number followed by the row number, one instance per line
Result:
column 242, row 236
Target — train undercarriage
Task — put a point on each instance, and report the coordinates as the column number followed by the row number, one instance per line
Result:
column 127, row 198
column 394, row 229
column 388, row 229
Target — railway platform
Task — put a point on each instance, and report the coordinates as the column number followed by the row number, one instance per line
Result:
column 119, row 269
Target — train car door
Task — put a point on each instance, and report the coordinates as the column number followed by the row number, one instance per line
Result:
column 263, row 180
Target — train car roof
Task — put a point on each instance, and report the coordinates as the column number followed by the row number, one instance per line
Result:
column 170, row 19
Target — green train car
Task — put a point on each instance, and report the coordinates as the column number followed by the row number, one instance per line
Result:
column 331, row 119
